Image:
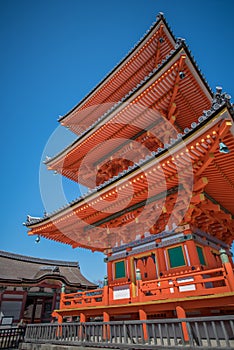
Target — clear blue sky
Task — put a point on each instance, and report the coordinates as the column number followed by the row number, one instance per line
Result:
column 52, row 53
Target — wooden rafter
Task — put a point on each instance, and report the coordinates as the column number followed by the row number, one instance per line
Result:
column 172, row 106
column 159, row 43
column 221, row 131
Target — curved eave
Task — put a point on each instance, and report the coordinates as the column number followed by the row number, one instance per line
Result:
column 121, row 66
column 57, row 278
column 192, row 86
column 33, row 281
column 77, row 214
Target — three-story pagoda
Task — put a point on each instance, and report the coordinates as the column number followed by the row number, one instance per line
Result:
column 155, row 148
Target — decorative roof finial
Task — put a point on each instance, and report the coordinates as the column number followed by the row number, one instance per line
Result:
column 219, row 89
column 159, row 16
column 180, row 41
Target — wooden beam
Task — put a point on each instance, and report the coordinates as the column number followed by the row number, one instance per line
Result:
column 200, row 184
column 158, row 49
column 172, row 106
column 206, row 162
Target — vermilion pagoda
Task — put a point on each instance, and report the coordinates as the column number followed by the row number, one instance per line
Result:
column 155, row 147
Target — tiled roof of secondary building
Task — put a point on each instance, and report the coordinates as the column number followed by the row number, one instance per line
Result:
column 22, row 269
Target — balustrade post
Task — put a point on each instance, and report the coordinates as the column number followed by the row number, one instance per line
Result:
column 181, row 314
column 83, row 298
column 228, row 268
column 199, row 282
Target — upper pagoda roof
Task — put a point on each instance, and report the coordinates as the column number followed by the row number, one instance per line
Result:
column 148, row 53
column 16, row 268
column 159, row 88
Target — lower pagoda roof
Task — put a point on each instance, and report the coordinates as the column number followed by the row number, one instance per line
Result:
column 178, row 183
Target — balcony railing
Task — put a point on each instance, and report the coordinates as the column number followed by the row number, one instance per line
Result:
column 79, row 299
column 191, row 283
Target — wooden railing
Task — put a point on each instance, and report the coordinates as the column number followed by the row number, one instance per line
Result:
column 215, row 332
column 191, row 283
column 80, row 299
column 11, row 337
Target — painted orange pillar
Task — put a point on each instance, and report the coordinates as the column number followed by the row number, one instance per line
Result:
column 60, row 321
column 133, row 286
column 82, row 334
column 60, row 318
column 192, row 252
column 82, row 317
column 181, row 314
column 194, row 262
column 209, row 257
column 109, row 271
column 143, row 317
column 161, row 261
column 131, row 275
column 106, row 328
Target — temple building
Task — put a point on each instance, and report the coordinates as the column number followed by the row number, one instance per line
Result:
column 155, row 149
column 30, row 287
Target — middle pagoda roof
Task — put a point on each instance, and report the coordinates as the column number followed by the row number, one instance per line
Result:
column 128, row 204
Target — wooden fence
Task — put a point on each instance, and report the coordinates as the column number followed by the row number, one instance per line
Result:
column 11, row 337
column 203, row 332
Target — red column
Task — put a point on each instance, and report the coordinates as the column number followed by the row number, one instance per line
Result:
column 143, row 317
column 82, row 331
column 60, row 320
column 82, row 317
column 109, row 271
column 106, row 328
column 161, row 260
column 192, row 252
column 209, row 257
column 181, row 314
